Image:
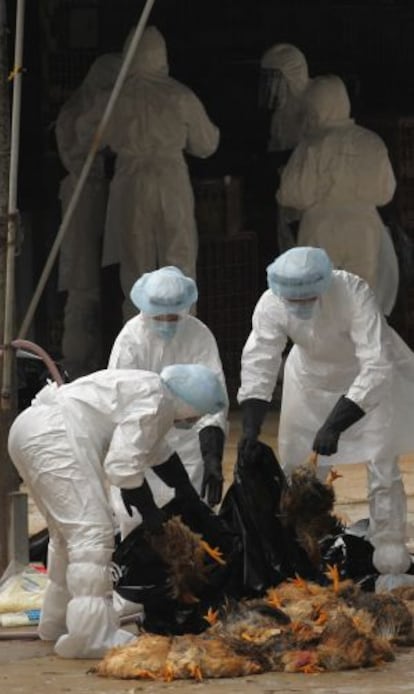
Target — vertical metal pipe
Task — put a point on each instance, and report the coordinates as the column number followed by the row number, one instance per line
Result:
column 9, row 297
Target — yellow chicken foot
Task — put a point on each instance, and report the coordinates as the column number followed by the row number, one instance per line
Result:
column 211, row 617
column 214, row 552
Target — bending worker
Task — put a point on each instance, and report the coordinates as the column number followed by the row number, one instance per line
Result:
column 348, row 390
column 164, row 333
column 108, row 426
column 337, row 177
column 155, row 123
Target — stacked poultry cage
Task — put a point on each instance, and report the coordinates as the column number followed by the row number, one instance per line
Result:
column 227, row 272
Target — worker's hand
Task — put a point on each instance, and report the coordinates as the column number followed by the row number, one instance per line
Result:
column 154, row 521
column 141, row 498
column 212, row 484
column 249, row 450
column 326, row 441
column 212, row 447
column 344, row 414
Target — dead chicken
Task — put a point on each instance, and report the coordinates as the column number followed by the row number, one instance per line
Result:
column 335, row 627
column 186, row 555
column 144, row 658
column 306, row 506
column 177, row 657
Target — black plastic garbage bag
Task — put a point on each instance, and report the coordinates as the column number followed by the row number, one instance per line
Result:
column 141, row 575
column 38, row 544
column 251, row 508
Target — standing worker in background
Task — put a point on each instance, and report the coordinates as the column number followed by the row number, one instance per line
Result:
column 81, row 250
column 337, row 177
column 109, row 426
column 348, row 391
column 155, row 121
column 284, row 78
column 164, row 333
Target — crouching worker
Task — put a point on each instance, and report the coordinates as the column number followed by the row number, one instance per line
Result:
column 107, row 427
column 348, row 391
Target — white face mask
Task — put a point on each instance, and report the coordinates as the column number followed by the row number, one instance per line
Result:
column 165, row 329
column 301, row 309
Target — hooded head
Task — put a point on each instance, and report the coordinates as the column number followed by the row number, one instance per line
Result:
column 164, row 291
column 300, row 273
column 197, row 390
column 103, row 72
column 283, row 60
column 326, row 102
column 150, row 57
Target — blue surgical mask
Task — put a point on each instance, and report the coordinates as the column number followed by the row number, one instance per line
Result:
column 165, row 329
column 301, row 309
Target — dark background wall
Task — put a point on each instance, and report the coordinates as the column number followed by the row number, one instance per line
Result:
column 215, row 48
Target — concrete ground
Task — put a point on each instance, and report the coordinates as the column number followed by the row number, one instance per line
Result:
column 30, row 666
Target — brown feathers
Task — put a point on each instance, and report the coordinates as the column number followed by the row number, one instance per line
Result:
column 298, row 626
column 306, row 506
column 185, row 554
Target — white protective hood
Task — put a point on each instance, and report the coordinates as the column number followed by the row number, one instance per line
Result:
column 150, row 59
column 327, row 103
column 292, row 64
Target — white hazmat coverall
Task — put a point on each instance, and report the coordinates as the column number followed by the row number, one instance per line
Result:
column 285, row 61
column 345, row 348
column 155, row 121
column 285, row 73
column 110, row 425
column 138, row 347
column 337, row 177
column 81, row 249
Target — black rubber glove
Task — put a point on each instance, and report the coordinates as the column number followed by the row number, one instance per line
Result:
column 143, row 500
column 212, row 446
column 345, row 413
column 253, row 414
column 174, row 474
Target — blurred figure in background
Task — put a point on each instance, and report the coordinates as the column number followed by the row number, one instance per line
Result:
column 155, row 122
column 81, row 250
column 337, row 177
column 284, row 79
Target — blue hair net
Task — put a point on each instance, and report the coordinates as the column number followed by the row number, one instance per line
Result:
column 197, row 385
column 300, row 273
column 164, row 291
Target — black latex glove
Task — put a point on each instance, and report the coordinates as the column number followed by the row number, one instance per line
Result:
column 344, row 414
column 174, row 474
column 143, row 500
column 212, row 446
column 253, row 414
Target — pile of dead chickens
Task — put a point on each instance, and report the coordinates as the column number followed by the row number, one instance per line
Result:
column 297, row 626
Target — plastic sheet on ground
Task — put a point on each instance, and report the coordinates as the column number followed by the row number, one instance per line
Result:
column 22, row 591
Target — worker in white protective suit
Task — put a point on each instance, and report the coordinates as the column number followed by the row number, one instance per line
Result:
column 284, row 78
column 81, row 249
column 109, row 426
column 337, row 177
column 155, row 122
column 164, row 333
column 348, row 390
